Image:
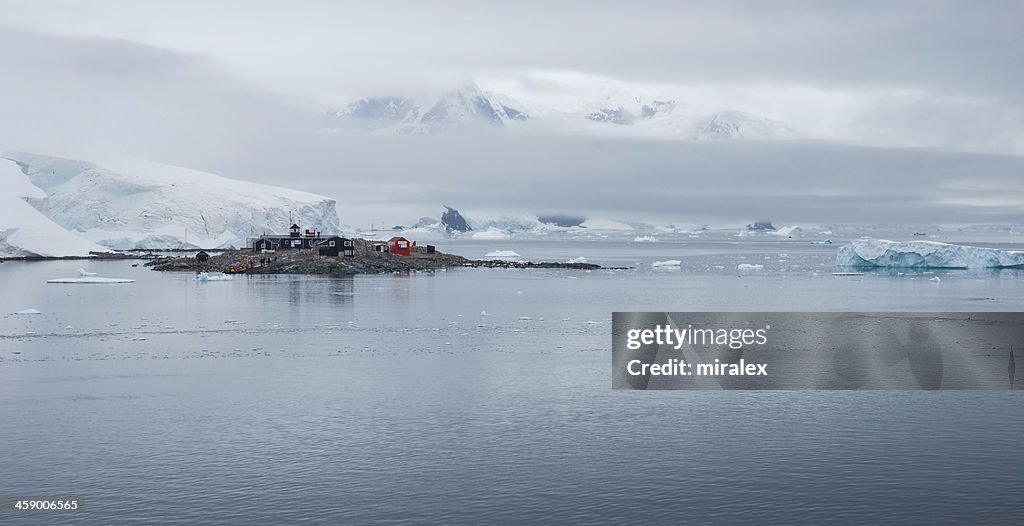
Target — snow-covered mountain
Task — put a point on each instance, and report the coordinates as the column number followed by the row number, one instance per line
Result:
column 465, row 107
column 375, row 113
column 726, row 125
column 603, row 113
column 131, row 203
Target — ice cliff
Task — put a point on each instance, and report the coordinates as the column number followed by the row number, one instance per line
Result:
column 25, row 231
column 924, row 254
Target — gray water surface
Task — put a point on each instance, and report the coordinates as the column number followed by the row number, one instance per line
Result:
column 391, row 399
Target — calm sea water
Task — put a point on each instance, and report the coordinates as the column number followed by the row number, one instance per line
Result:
column 392, row 399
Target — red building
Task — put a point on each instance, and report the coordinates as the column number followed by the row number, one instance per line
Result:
column 400, row 245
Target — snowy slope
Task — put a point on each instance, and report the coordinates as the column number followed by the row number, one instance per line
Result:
column 25, row 231
column 131, row 203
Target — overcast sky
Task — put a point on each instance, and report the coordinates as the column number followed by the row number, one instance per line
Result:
column 914, row 111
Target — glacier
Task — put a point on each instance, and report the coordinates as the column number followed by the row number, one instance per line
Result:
column 27, row 232
column 924, row 254
column 125, row 203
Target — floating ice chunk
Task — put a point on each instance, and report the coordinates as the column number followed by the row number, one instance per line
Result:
column 936, row 279
column 580, row 259
column 28, row 311
column 90, row 279
column 214, row 276
column 645, row 239
column 502, row 254
column 667, row 263
column 84, row 273
column 748, row 266
column 924, row 254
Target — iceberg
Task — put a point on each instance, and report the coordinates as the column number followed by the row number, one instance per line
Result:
column 502, row 255
column 748, row 266
column 788, row 231
column 924, row 254
column 213, row 276
column 667, row 263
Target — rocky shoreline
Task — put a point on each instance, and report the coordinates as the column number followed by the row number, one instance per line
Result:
column 365, row 261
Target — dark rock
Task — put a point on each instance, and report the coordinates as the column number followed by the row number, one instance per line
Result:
column 453, row 220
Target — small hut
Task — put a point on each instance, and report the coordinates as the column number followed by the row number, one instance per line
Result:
column 400, row 245
column 202, row 256
column 336, row 246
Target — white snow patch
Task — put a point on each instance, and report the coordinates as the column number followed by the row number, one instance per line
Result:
column 580, row 259
column 667, row 263
column 748, row 266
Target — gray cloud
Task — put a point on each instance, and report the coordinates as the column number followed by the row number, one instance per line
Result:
column 228, row 88
column 947, row 45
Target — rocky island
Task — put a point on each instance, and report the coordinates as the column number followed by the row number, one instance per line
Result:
column 366, row 260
